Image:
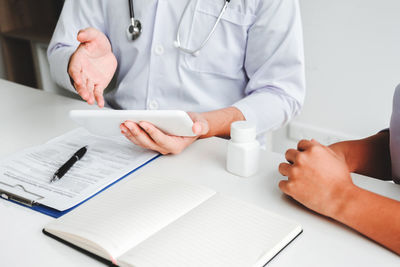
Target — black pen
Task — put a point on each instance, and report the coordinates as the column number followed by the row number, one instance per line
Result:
column 67, row 165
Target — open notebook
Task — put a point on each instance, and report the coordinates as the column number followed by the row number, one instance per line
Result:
column 162, row 222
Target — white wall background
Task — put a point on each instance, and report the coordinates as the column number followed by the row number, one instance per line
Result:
column 352, row 50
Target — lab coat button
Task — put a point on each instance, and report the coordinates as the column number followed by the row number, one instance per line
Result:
column 159, row 50
column 153, row 105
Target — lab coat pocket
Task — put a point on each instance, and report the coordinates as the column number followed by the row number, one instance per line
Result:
column 224, row 53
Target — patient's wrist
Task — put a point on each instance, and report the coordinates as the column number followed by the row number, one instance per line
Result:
column 342, row 149
column 345, row 203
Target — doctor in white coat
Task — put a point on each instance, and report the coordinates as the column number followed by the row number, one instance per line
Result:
column 223, row 60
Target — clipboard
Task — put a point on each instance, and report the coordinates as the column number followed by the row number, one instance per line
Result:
column 32, row 200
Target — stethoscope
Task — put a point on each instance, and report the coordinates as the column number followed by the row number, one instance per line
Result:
column 135, row 28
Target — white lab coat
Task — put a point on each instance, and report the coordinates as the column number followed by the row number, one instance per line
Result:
column 254, row 61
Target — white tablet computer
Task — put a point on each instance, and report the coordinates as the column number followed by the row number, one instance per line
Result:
column 107, row 122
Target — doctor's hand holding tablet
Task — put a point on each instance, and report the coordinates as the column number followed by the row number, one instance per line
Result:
column 91, row 69
column 223, row 60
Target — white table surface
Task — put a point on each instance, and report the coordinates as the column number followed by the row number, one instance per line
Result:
column 30, row 117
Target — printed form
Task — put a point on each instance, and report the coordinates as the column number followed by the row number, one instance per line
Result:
column 28, row 173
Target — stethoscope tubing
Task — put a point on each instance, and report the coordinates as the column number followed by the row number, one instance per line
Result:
column 195, row 52
column 177, row 42
column 131, row 11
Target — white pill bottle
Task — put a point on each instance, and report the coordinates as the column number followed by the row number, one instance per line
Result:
column 243, row 149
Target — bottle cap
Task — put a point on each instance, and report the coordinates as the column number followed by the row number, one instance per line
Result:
column 243, row 131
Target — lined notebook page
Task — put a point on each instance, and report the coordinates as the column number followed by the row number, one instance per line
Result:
column 220, row 232
column 127, row 214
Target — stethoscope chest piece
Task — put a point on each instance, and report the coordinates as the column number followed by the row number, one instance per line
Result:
column 134, row 30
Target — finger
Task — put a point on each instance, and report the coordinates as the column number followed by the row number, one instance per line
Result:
column 285, row 187
column 284, row 168
column 98, row 94
column 200, row 128
column 304, row 145
column 141, row 136
column 90, row 88
column 315, row 142
column 81, row 89
column 129, row 135
column 87, row 35
column 84, row 87
column 75, row 74
column 200, row 124
column 291, row 155
column 126, row 132
column 166, row 143
column 123, row 129
column 160, row 138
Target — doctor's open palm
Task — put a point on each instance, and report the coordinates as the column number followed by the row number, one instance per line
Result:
column 92, row 65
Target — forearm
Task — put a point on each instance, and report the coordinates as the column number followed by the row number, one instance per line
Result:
column 219, row 121
column 369, row 156
column 372, row 215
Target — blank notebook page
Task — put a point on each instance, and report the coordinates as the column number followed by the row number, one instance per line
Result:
column 127, row 214
column 220, row 232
